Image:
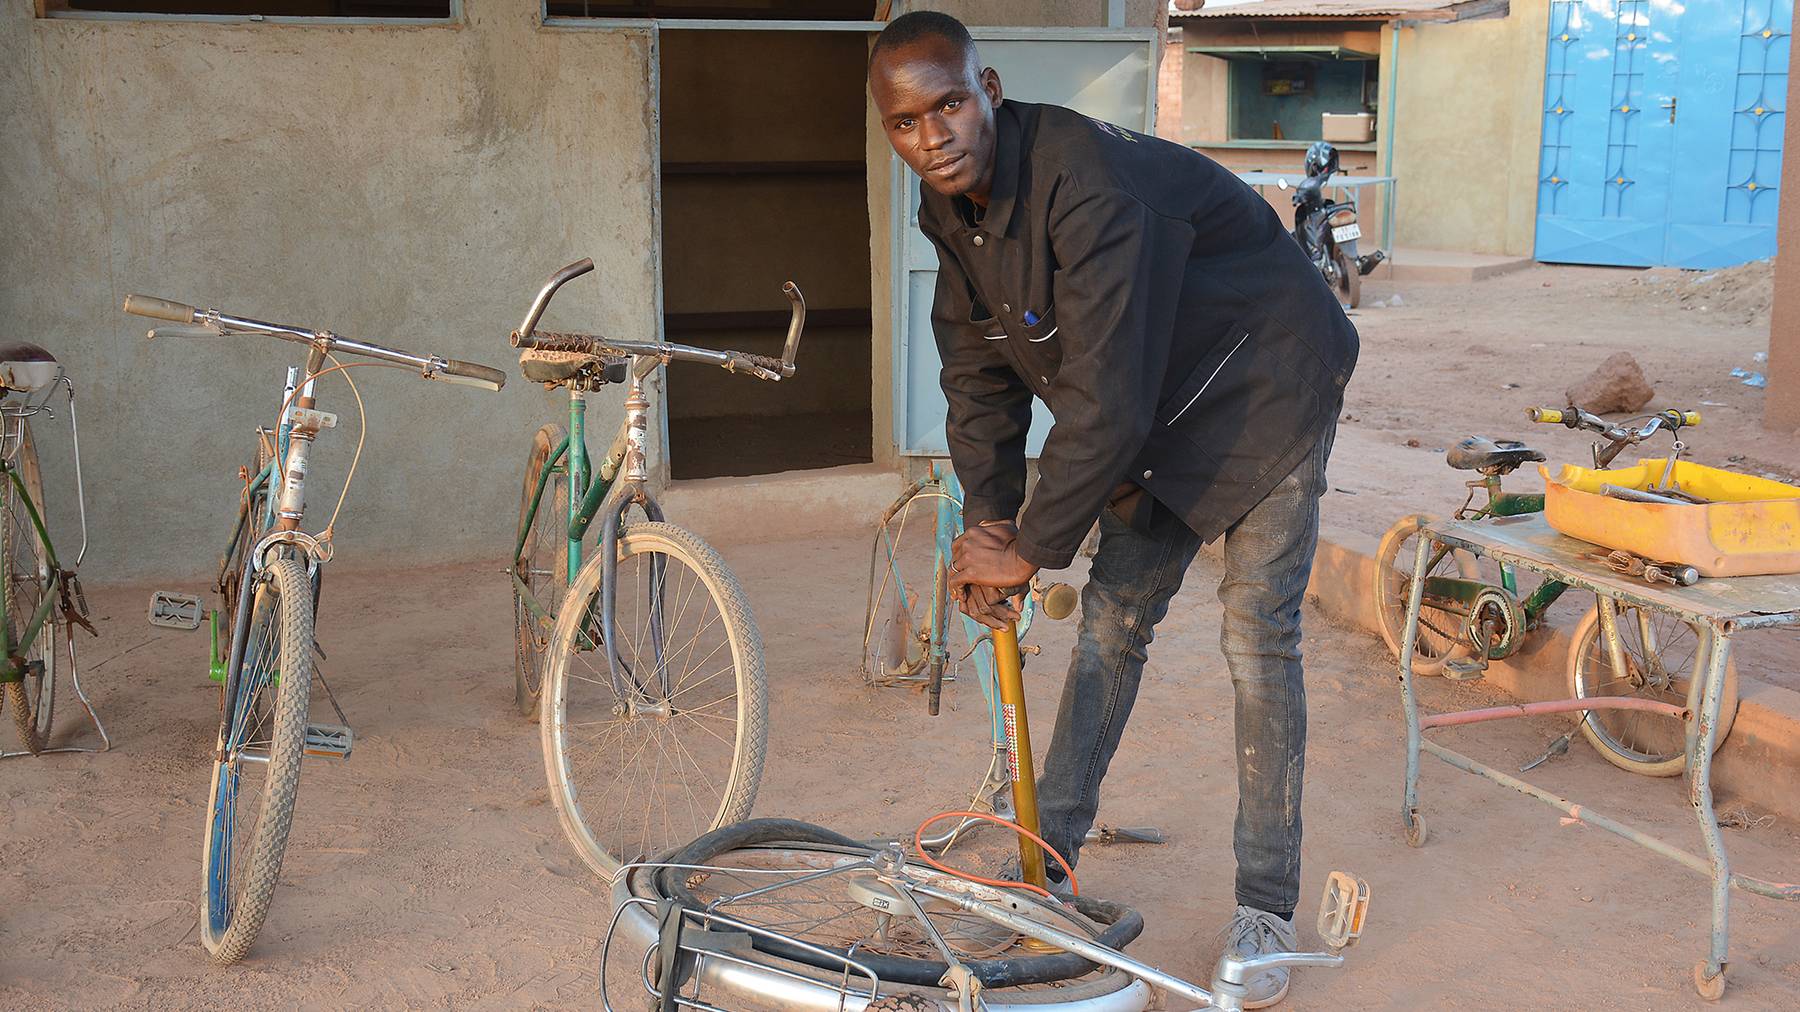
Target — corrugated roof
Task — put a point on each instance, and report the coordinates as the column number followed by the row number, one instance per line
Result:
column 1422, row 9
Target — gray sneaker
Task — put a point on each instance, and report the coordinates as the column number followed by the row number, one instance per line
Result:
column 1256, row 932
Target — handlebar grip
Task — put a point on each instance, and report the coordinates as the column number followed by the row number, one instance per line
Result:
column 1689, row 417
column 470, row 374
column 1547, row 416
column 161, row 309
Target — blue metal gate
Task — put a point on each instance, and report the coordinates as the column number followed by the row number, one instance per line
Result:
column 1662, row 131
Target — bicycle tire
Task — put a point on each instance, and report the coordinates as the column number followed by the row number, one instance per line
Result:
column 232, row 910
column 1644, row 743
column 543, row 565
column 1439, row 631
column 1119, row 925
column 605, row 847
column 27, row 579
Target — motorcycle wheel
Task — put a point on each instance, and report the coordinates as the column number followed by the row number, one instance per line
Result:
column 1349, row 282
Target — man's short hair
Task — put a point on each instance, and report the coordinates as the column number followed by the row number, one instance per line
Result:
column 919, row 25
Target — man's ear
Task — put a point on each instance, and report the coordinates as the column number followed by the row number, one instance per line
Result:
column 990, row 83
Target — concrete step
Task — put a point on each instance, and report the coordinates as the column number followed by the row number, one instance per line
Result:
column 1412, row 264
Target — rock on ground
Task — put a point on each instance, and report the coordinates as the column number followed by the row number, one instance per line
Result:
column 1617, row 385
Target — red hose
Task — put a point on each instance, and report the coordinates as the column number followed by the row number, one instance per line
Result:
column 925, row 856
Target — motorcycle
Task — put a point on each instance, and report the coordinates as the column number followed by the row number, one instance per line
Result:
column 1328, row 230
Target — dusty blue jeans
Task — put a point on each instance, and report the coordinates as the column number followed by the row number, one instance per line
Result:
column 1268, row 558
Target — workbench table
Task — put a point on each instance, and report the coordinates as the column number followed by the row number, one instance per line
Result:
column 1716, row 608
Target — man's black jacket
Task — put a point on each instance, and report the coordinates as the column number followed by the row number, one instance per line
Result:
column 1178, row 334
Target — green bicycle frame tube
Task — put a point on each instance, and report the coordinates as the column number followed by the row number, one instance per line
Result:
column 578, row 474
column 551, row 463
column 37, row 621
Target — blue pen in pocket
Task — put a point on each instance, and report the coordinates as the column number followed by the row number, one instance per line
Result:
column 1031, row 318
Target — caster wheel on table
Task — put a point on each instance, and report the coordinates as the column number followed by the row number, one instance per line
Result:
column 1710, row 988
column 1416, row 833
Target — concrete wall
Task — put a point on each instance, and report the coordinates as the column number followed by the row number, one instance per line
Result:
column 1781, row 404
column 410, row 185
column 1469, row 115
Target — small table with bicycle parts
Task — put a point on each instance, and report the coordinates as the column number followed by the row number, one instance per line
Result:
column 1717, row 608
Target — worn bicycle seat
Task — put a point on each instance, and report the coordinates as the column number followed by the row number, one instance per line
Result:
column 1479, row 453
column 555, row 367
column 26, row 367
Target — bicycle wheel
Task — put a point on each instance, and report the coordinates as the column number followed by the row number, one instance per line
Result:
column 249, row 532
column 1662, row 656
column 28, row 579
column 543, row 566
column 1440, row 630
column 675, row 748
column 256, row 772
column 853, row 911
column 905, row 625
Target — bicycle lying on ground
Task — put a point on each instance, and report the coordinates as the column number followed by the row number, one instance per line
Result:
column 908, row 642
column 269, row 587
column 42, row 602
column 1468, row 619
column 786, row 915
column 644, row 662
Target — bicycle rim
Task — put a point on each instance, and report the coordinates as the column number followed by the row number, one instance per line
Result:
column 904, row 623
column 679, row 751
column 1440, row 630
column 256, row 768
column 766, row 873
column 1662, row 657
column 542, row 567
column 27, row 583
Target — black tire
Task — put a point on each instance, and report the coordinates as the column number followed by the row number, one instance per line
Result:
column 543, row 565
column 1119, row 924
column 239, row 873
column 598, row 800
column 1349, row 282
column 27, row 580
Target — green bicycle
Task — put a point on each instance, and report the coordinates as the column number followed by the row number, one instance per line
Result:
column 1467, row 619
column 642, row 663
column 42, row 602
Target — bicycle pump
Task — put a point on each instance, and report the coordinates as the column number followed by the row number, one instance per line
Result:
column 1058, row 602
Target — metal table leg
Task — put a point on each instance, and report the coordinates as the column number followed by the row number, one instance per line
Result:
column 1709, row 977
column 1409, row 809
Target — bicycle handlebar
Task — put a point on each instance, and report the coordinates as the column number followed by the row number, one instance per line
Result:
column 432, row 367
column 160, row 309
column 1617, row 437
column 760, row 366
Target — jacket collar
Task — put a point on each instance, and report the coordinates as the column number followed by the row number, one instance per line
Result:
column 1003, row 196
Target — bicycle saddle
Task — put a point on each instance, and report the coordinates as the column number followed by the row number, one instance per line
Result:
column 555, row 367
column 26, row 367
column 1479, row 453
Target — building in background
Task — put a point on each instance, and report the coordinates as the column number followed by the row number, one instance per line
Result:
column 1583, row 131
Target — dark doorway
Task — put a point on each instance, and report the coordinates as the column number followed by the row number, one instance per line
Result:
column 763, row 181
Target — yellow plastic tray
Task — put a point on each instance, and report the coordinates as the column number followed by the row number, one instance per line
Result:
column 1751, row 528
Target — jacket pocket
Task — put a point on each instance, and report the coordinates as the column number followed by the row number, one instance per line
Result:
column 1243, row 407
column 1193, row 389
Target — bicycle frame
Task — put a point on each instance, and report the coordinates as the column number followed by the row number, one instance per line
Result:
column 60, row 583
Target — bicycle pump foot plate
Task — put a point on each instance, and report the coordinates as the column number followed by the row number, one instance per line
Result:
column 175, row 611
column 1342, row 910
column 330, row 741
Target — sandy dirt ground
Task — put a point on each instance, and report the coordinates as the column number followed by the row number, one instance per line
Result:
column 429, row 870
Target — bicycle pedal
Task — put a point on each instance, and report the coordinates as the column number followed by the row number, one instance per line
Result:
column 176, row 611
column 329, row 741
column 1465, row 669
